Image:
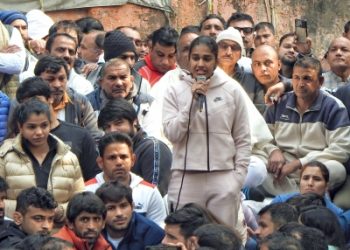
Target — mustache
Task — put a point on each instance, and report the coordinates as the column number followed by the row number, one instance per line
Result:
column 89, row 232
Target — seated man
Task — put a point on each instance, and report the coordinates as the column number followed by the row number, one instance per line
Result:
column 181, row 224
column 126, row 229
column 35, row 212
column 116, row 81
column 307, row 125
column 86, row 216
column 116, row 159
column 153, row 157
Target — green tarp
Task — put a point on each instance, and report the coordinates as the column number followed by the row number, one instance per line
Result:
column 50, row 5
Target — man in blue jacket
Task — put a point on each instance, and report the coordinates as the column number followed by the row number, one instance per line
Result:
column 125, row 229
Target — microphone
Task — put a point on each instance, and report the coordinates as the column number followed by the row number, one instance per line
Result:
column 201, row 98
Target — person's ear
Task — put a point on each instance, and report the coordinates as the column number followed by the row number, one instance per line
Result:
column 99, row 162
column 70, row 225
column 19, row 127
column 132, row 78
column 17, row 218
column 133, row 159
column 321, row 80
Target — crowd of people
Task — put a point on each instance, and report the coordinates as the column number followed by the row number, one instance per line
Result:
column 216, row 137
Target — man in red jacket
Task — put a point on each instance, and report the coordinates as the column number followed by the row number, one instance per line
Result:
column 86, row 214
column 162, row 55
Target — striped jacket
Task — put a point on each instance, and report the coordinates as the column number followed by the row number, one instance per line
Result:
column 322, row 133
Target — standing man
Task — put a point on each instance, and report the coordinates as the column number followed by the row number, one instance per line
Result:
column 86, row 215
column 287, row 54
column 134, row 35
column 161, row 57
column 65, row 46
column 212, row 25
column 245, row 25
column 339, row 62
column 126, row 229
column 264, row 34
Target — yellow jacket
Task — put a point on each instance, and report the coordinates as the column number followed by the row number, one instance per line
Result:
column 65, row 178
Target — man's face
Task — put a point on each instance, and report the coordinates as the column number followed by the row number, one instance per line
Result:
column 312, row 181
column 36, row 129
column 129, row 57
column 287, row 51
column 163, row 57
column 22, row 26
column 212, row 27
column 88, row 50
column 264, row 36
column 265, row 66
column 57, row 82
column 134, row 36
column 3, row 196
column 65, row 48
column 306, row 83
column 183, row 47
column 229, row 53
column 173, row 235
column 117, row 82
column 35, row 220
column 246, row 30
column 119, row 215
column 339, row 54
column 116, row 162
column 87, row 226
column 144, row 49
column 265, row 226
column 121, row 126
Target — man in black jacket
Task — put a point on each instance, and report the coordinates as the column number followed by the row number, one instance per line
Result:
column 35, row 212
column 153, row 157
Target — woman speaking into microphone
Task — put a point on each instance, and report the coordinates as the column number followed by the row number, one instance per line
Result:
column 205, row 118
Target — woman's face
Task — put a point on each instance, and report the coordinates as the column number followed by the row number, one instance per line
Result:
column 312, row 181
column 36, row 129
column 202, row 61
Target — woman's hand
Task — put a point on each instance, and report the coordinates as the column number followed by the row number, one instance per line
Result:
column 200, row 88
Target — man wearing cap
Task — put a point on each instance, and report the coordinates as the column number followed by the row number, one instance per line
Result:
column 12, row 58
column 18, row 20
column 118, row 45
column 231, row 47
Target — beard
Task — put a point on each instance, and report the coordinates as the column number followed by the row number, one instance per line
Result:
column 288, row 62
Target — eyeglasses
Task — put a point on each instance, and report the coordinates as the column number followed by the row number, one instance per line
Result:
column 225, row 46
column 246, row 30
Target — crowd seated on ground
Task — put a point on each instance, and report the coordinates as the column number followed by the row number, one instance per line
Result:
column 216, row 137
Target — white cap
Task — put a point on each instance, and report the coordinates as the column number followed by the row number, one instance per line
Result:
column 38, row 24
column 231, row 34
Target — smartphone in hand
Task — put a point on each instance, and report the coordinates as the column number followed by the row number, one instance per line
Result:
column 301, row 30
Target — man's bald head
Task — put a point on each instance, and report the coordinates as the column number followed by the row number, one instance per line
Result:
column 339, row 55
column 266, row 65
